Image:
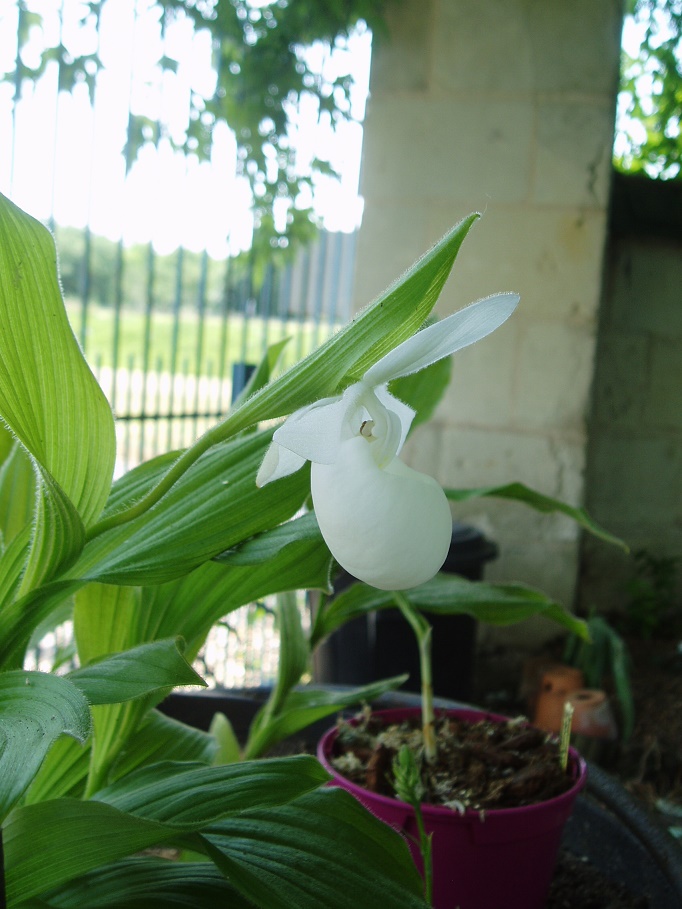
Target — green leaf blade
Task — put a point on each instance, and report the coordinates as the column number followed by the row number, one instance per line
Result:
column 322, row 850
column 519, row 492
column 135, row 673
column 35, row 709
column 48, row 396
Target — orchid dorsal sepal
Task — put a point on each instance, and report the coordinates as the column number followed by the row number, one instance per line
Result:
column 442, row 339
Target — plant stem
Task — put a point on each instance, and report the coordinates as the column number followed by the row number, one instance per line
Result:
column 425, row 847
column 423, row 631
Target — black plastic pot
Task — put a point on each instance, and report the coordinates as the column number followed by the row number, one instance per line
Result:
column 608, row 828
column 383, row 645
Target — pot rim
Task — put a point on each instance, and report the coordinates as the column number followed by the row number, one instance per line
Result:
column 577, row 765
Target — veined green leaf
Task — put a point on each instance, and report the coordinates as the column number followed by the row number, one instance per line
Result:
column 324, row 849
column 35, row 709
column 518, row 492
column 48, row 396
column 140, row 671
column 12, row 562
column 189, row 796
column 58, row 534
column 447, row 594
column 263, row 372
column 148, row 883
column 423, row 390
column 305, row 706
column 161, row 738
column 192, row 605
column 17, row 490
column 268, row 546
column 204, row 514
column 62, row 773
column 104, row 623
column 49, row 843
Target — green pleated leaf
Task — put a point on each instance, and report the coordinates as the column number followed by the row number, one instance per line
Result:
column 149, row 883
column 304, row 707
column 268, row 546
column 35, row 709
column 143, row 670
column 49, row 843
column 62, row 773
column 105, row 619
column 518, row 492
column 215, row 505
column 263, row 372
column 58, row 534
column 12, row 562
column 423, row 390
column 322, row 850
column 446, row 594
column 189, row 796
column 48, row 396
column 161, row 738
column 192, row 605
column 17, row 490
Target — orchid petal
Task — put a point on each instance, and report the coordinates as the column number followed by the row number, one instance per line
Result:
column 442, row 339
column 278, row 462
column 314, row 432
column 388, row 527
column 404, row 413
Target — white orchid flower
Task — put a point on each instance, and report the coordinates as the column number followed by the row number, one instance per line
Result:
column 384, row 522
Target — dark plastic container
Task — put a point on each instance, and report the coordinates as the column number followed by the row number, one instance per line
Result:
column 383, row 645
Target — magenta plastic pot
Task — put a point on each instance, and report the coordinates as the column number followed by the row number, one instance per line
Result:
column 503, row 859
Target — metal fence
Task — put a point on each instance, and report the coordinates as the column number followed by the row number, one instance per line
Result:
column 170, row 311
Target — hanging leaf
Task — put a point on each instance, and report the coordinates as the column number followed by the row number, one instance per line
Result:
column 35, row 709
column 518, row 492
column 447, row 594
column 148, row 883
column 17, row 490
column 48, row 396
column 322, row 850
column 134, row 673
column 50, row 843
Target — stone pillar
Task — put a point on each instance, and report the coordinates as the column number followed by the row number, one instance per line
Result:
column 504, row 107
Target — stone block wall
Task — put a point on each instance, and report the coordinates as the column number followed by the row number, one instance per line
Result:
column 504, row 107
column 634, row 475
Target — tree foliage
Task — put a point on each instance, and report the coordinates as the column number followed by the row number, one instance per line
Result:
column 262, row 72
column 651, row 92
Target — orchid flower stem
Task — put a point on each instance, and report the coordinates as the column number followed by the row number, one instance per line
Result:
column 423, row 631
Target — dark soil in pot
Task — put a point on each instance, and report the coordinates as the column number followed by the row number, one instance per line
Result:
column 483, row 765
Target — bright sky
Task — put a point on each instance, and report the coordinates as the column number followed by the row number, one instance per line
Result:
column 66, row 161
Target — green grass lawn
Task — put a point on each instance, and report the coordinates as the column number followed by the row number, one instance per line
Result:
column 186, row 344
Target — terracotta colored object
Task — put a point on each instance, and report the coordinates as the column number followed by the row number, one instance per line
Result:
column 556, row 684
column 592, row 714
column 487, row 860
